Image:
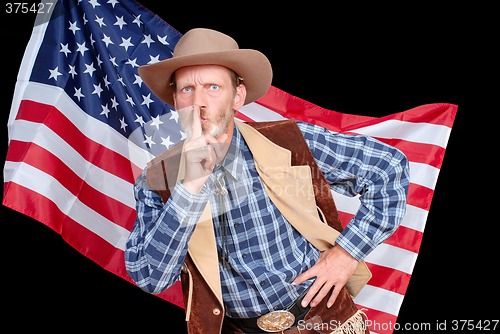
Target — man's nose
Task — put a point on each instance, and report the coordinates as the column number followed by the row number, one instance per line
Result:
column 199, row 98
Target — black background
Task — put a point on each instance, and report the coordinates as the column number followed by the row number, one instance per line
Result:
column 367, row 60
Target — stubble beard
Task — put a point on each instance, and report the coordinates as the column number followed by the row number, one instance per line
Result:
column 222, row 121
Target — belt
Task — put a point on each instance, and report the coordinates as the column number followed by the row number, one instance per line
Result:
column 275, row 321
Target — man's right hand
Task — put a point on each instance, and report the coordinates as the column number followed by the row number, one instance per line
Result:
column 201, row 152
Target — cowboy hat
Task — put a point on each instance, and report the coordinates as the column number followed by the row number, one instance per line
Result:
column 202, row 46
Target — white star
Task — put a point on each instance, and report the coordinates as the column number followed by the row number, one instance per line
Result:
column 126, row 43
column 153, row 60
column 174, row 115
column 156, row 121
column 138, row 119
column 107, row 40
column 105, row 110
column 82, row 48
column 78, row 93
column 138, row 80
column 99, row 61
column 163, row 40
column 100, row 21
column 64, row 49
column 113, row 3
column 166, row 142
column 89, row 69
column 130, row 100
column 113, row 61
column 55, row 73
column 114, row 103
column 97, row 90
column 132, row 62
column 73, row 27
column 147, row 40
column 120, row 80
column 120, row 22
column 149, row 141
column 106, row 82
column 94, row 3
column 137, row 20
column 123, row 125
column 85, row 19
column 147, row 100
column 72, row 71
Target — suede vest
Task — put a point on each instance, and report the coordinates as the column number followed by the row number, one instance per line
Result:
column 295, row 185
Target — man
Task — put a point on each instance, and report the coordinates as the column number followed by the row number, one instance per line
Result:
column 236, row 222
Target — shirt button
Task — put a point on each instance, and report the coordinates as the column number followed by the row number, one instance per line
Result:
column 244, row 256
column 216, row 311
column 236, row 225
column 262, row 283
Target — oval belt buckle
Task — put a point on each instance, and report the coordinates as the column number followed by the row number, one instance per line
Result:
column 276, row 321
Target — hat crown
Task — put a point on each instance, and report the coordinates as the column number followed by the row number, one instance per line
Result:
column 201, row 40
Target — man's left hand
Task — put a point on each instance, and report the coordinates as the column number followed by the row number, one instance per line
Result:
column 333, row 269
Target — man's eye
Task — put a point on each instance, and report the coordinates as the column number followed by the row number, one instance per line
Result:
column 214, row 87
column 186, row 89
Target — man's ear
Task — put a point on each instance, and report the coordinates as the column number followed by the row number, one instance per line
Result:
column 239, row 98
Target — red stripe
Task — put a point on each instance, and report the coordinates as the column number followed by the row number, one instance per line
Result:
column 90, row 150
column 404, row 237
column 388, row 278
column 38, row 157
column 418, row 152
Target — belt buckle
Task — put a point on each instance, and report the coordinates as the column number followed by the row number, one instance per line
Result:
column 276, row 321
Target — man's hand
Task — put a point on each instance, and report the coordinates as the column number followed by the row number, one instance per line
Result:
column 333, row 269
column 201, row 152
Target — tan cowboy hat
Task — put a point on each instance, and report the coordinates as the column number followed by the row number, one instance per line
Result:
column 202, row 46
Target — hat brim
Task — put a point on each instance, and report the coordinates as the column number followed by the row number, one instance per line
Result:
column 251, row 65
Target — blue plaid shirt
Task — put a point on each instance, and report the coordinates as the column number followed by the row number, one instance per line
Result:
column 265, row 252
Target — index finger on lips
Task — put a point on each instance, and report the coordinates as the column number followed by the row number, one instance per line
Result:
column 196, row 124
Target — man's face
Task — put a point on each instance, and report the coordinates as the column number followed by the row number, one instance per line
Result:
column 209, row 87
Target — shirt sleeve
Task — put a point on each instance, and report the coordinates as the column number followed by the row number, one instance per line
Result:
column 356, row 165
column 157, row 245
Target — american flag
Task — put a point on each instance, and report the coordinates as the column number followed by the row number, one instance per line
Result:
column 82, row 126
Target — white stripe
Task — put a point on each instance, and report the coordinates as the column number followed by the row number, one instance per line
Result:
column 44, row 184
column 415, row 218
column 423, row 174
column 103, row 181
column 393, row 257
column 379, row 299
column 424, row 133
column 259, row 113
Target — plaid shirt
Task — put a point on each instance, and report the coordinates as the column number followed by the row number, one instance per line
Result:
column 265, row 252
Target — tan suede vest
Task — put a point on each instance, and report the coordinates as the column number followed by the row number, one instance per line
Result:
column 293, row 182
